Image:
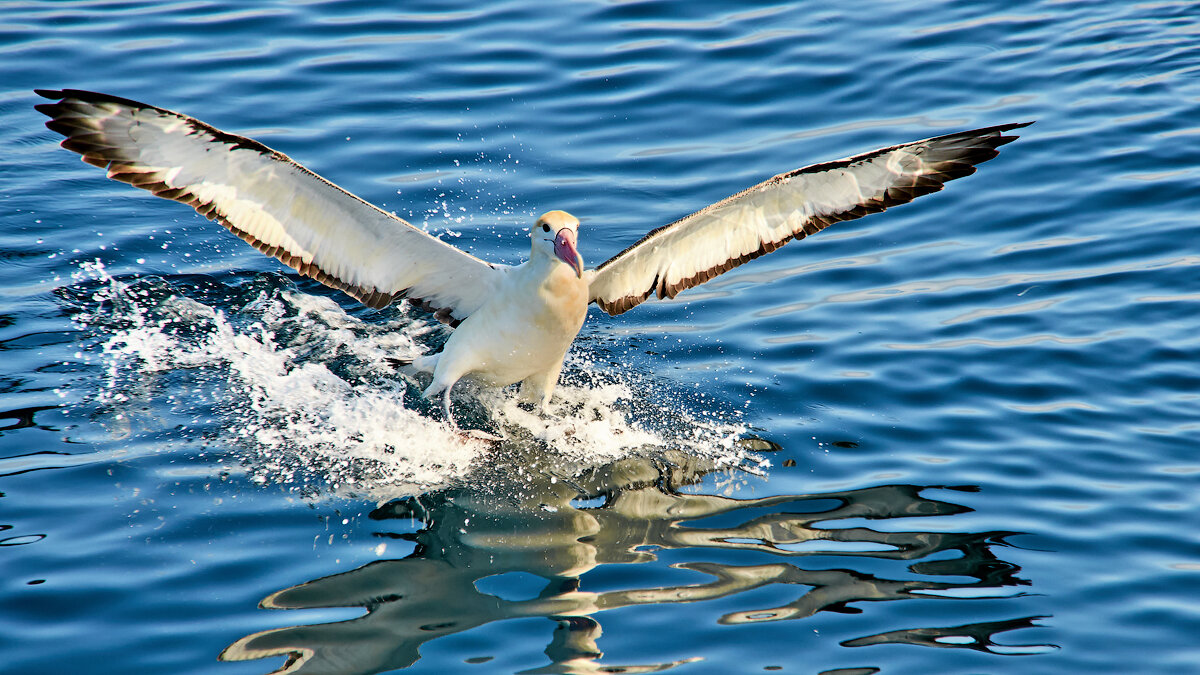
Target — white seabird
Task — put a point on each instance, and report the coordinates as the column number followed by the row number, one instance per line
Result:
column 512, row 323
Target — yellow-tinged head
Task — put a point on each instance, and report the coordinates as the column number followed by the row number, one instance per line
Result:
column 557, row 231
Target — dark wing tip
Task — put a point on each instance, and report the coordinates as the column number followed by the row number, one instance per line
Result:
column 87, row 97
column 1007, row 127
column 999, row 130
column 1005, row 140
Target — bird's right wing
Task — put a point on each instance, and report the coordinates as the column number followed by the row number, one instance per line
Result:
column 760, row 219
column 272, row 202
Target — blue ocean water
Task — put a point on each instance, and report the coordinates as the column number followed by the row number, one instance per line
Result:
column 959, row 436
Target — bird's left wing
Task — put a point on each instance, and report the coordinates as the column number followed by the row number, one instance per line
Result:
column 272, row 202
column 789, row 206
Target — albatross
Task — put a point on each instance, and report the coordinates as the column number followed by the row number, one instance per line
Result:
column 512, row 323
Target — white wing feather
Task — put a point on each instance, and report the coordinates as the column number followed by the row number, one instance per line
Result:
column 789, row 206
column 272, row 202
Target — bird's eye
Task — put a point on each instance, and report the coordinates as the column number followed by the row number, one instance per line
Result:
column 545, row 227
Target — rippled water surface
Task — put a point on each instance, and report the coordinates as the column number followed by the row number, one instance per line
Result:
column 960, row 436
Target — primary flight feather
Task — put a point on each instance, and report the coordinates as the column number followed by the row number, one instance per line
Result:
column 512, row 323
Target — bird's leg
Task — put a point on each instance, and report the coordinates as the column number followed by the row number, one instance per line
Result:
column 472, row 433
column 537, row 389
column 528, row 399
column 442, row 387
column 535, row 400
column 446, row 407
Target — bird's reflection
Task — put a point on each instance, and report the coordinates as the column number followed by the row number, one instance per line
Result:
column 559, row 529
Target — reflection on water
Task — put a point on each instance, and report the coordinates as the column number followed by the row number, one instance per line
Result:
column 977, row 636
column 21, row 418
column 469, row 541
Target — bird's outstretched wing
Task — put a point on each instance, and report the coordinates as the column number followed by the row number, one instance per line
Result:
column 282, row 208
column 789, row 206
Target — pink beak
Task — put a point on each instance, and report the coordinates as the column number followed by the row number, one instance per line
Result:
column 564, row 248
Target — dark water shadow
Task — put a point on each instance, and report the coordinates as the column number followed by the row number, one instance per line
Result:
column 634, row 511
column 23, row 418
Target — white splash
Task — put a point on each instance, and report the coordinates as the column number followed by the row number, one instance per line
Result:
column 307, row 395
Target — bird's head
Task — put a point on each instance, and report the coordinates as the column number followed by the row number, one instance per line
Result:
column 554, row 235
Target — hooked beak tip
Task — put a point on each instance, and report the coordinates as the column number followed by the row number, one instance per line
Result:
column 577, row 265
column 564, row 248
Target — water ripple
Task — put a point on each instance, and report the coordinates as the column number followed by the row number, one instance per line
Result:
column 1030, row 330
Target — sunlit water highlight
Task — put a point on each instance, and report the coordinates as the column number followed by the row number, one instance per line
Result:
column 956, row 437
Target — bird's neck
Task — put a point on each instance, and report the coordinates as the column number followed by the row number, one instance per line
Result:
column 544, row 270
column 539, row 267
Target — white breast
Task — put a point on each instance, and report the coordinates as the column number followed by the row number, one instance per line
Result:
column 524, row 330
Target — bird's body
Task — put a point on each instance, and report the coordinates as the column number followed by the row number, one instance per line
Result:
column 522, row 333
column 512, row 323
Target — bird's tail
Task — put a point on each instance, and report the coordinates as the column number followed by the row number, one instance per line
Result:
column 420, row 364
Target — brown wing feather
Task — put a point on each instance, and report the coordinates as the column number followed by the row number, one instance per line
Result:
column 342, row 242
column 792, row 205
